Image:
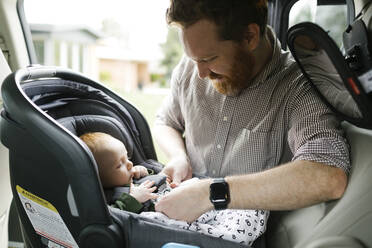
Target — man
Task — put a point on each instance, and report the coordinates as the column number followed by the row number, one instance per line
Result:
column 241, row 111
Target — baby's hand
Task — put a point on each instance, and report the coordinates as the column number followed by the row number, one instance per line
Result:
column 143, row 192
column 139, row 171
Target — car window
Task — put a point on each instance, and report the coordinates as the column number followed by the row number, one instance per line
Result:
column 332, row 18
column 125, row 44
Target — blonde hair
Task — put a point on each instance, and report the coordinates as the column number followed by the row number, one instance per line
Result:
column 92, row 140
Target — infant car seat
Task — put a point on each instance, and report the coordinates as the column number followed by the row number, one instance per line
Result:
column 54, row 178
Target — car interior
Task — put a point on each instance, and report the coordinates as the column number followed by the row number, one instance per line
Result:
column 46, row 108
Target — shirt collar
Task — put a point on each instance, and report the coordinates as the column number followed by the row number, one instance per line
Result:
column 274, row 61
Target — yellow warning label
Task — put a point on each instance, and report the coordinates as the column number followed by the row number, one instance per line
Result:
column 35, row 198
column 46, row 220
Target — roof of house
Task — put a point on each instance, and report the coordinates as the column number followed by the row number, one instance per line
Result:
column 69, row 32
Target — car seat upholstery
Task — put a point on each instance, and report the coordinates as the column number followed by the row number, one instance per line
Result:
column 351, row 216
column 45, row 109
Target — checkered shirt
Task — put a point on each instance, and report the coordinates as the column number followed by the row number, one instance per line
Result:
column 277, row 119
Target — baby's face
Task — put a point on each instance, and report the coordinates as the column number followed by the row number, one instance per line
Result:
column 114, row 167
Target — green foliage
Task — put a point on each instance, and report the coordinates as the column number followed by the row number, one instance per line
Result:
column 172, row 50
column 160, row 78
column 105, row 77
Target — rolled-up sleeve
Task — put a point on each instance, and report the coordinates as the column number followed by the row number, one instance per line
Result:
column 315, row 133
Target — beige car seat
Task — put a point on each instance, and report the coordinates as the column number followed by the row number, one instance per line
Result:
column 343, row 223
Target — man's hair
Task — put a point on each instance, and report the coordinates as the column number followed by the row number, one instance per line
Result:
column 231, row 16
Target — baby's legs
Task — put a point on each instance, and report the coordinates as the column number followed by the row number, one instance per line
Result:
column 242, row 226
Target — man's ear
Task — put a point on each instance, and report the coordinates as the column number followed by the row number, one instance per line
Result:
column 252, row 36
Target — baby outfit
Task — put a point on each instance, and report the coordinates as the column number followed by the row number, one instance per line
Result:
column 241, row 226
column 119, row 197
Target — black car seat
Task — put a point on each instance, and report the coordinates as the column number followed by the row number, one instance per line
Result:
column 346, row 222
column 53, row 174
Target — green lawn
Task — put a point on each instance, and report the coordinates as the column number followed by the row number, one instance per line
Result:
column 147, row 104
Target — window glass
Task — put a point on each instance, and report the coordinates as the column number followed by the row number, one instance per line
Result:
column 70, row 56
column 81, row 58
column 124, row 44
column 39, row 50
column 332, row 18
column 57, row 53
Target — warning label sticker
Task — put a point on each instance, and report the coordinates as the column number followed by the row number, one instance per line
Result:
column 46, row 220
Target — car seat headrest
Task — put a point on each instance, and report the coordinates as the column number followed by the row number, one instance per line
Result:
column 52, row 95
column 323, row 65
column 61, row 94
column 79, row 125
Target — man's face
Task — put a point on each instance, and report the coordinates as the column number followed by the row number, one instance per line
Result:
column 227, row 64
column 114, row 167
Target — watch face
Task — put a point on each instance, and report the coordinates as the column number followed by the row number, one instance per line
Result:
column 218, row 191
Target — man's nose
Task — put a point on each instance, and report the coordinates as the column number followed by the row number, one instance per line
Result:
column 203, row 70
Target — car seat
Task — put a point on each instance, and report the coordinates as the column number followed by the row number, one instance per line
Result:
column 53, row 174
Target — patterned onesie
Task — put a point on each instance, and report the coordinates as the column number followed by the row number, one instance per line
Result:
column 241, row 226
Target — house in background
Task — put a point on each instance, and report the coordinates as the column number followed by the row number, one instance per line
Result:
column 87, row 51
column 124, row 68
column 67, row 46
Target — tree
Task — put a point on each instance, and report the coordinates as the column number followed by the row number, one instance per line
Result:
column 172, row 50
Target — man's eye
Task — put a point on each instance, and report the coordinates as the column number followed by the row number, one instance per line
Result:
column 210, row 59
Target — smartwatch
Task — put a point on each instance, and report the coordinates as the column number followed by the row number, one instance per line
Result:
column 219, row 193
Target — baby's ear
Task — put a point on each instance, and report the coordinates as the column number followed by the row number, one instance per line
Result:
column 129, row 165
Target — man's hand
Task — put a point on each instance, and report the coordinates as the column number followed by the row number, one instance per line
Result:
column 139, row 171
column 143, row 192
column 177, row 170
column 187, row 202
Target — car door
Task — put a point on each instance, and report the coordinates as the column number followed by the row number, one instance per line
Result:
column 13, row 55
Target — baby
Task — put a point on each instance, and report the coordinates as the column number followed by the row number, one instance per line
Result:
column 115, row 170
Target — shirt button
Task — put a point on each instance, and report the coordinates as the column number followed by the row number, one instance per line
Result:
column 225, row 118
column 219, row 146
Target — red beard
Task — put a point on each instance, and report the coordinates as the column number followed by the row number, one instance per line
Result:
column 241, row 75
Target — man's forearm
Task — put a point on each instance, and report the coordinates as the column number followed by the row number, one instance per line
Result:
column 290, row 186
column 170, row 141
